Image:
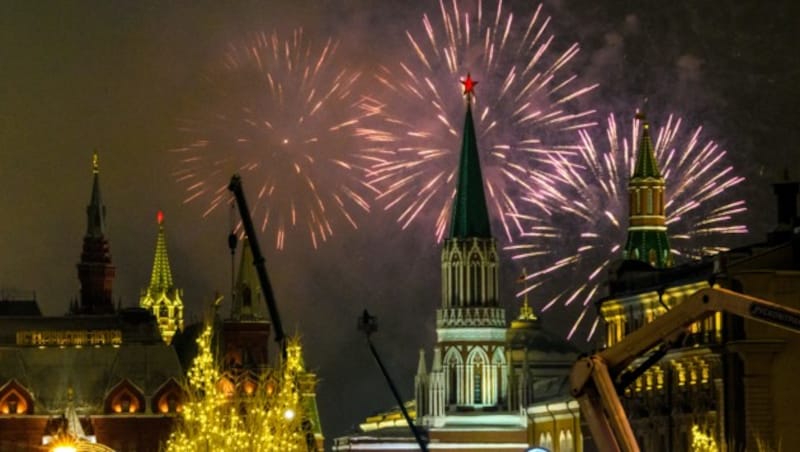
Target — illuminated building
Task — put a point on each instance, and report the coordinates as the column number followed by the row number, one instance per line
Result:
column 245, row 335
column 105, row 372
column 728, row 384
column 489, row 387
column 161, row 297
column 244, row 372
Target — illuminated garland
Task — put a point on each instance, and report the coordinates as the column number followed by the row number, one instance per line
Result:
column 701, row 442
column 268, row 419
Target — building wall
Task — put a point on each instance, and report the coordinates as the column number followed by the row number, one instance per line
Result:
column 22, row 432
column 771, row 358
column 555, row 426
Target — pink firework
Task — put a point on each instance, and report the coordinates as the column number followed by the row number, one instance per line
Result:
column 283, row 113
column 526, row 101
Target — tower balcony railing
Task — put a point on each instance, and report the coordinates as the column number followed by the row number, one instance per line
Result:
column 471, row 317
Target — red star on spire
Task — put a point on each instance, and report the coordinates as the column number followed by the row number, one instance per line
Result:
column 469, row 86
column 160, row 217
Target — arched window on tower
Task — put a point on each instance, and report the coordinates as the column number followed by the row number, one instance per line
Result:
column 453, row 367
column 475, row 279
column 477, row 378
column 455, row 280
column 478, row 388
column 499, row 373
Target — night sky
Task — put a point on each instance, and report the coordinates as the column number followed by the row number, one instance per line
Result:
column 117, row 77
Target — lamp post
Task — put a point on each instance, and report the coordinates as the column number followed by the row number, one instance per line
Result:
column 368, row 324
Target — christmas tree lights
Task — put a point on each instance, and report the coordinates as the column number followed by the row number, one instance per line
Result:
column 269, row 418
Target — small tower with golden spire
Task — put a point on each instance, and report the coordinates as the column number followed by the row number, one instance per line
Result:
column 161, row 297
column 647, row 226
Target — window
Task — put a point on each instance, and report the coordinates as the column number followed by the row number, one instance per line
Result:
column 452, row 362
column 477, row 380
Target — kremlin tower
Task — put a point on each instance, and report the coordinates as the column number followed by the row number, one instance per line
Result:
column 161, row 297
column 647, row 228
column 469, row 369
column 95, row 271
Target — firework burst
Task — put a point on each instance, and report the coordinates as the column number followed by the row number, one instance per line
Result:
column 583, row 233
column 285, row 112
column 526, row 99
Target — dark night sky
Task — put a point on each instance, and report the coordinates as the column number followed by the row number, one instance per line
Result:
column 75, row 76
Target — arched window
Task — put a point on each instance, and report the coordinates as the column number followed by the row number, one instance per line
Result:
column 565, row 443
column 455, row 279
column 475, row 279
column 546, row 441
column 124, row 398
column 15, row 399
column 476, row 362
column 453, row 364
column 499, row 375
column 477, row 381
column 167, row 399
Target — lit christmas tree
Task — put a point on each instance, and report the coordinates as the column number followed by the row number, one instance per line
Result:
column 702, row 442
column 269, row 418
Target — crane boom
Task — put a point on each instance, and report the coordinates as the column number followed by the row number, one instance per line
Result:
column 592, row 377
column 235, row 186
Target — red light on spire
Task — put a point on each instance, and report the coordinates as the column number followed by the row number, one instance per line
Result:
column 160, row 217
column 469, row 85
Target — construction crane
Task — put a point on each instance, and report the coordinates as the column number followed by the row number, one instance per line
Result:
column 235, row 186
column 592, row 380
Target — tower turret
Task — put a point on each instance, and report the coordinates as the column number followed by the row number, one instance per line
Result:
column 95, row 271
column 248, row 301
column 469, row 257
column 246, row 332
column 647, row 228
column 161, row 297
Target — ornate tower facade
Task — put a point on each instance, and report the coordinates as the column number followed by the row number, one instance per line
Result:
column 161, row 296
column 469, row 370
column 95, row 270
column 647, row 228
column 246, row 332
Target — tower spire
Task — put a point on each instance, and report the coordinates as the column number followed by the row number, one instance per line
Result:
column 647, row 228
column 470, row 216
column 525, row 311
column 96, row 211
column 161, row 276
column 248, row 302
column 471, row 324
column 95, row 271
column 161, row 297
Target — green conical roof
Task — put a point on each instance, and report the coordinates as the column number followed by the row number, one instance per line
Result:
column 646, row 164
column 470, row 215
